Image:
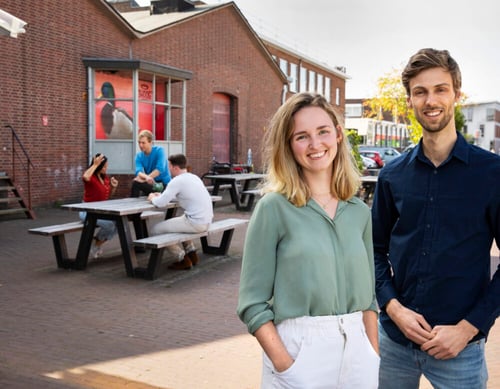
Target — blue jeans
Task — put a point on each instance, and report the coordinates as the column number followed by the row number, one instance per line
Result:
column 107, row 227
column 402, row 366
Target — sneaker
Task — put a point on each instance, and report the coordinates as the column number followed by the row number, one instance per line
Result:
column 95, row 251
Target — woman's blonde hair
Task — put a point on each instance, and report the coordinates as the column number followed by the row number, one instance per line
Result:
column 284, row 174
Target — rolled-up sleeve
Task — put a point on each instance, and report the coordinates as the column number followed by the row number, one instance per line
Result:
column 258, row 268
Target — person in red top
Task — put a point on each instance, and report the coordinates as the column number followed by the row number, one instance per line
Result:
column 97, row 187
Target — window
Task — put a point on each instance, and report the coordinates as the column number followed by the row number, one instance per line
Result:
column 319, row 87
column 337, row 96
column 303, row 79
column 113, row 105
column 328, row 91
column 312, row 81
column 354, row 110
column 130, row 95
column 284, row 66
column 490, row 114
column 293, row 77
column 469, row 114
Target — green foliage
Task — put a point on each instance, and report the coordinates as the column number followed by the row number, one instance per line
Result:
column 355, row 139
column 391, row 97
column 459, row 118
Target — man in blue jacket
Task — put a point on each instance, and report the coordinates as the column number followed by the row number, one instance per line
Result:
column 436, row 212
column 151, row 167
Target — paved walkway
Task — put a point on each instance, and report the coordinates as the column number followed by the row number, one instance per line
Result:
column 100, row 329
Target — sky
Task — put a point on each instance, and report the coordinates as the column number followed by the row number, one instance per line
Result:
column 373, row 37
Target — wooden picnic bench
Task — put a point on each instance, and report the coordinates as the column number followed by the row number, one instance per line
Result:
column 58, row 232
column 251, row 194
column 236, row 181
column 159, row 243
column 210, row 188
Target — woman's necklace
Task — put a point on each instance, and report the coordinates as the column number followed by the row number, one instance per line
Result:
column 322, row 203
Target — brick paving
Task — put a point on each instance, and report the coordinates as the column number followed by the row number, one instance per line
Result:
column 100, row 329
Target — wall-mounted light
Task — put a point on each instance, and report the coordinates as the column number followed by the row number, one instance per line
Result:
column 10, row 25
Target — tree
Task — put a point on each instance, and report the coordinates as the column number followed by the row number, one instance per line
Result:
column 354, row 140
column 391, row 98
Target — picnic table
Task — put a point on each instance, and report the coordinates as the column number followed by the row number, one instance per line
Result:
column 121, row 211
column 235, row 180
column 368, row 184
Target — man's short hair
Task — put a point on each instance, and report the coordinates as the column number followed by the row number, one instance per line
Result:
column 146, row 134
column 178, row 160
column 428, row 59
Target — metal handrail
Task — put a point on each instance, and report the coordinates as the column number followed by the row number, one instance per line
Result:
column 15, row 137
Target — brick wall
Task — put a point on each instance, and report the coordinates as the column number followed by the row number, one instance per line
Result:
column 43, row 77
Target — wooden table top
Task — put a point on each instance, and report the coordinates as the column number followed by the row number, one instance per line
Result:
column 120, row 207
column 369, row 179
column 236, row 177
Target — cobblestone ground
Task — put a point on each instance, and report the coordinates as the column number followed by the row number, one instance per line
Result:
column 100, row 329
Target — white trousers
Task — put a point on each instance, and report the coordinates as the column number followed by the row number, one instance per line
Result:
column 329, row 352
column 179, row 224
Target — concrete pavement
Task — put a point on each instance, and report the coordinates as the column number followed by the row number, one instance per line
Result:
column 100, row 329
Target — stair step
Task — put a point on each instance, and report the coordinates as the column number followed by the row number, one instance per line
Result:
column 7, row 187
column 9, row 199
column 11, row 211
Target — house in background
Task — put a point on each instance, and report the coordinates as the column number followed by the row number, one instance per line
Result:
column 85, row 78
column 482, row 121
column 375, row 132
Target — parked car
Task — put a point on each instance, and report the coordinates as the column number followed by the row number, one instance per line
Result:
column 368, row 163
column 373, row 155
column 409, row 148
column 386, row 153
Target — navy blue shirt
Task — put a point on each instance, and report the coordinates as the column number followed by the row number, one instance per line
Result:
column 433, row 229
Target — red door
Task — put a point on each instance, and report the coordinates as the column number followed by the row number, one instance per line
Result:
column 220, row 130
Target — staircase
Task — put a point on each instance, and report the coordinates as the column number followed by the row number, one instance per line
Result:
column 12, row 196
column 11, row 199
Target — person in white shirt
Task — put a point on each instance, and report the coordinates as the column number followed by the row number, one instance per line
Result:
column 192, row 196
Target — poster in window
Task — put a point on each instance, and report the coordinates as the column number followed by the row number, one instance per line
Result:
column 114, row 106
column 113, row 116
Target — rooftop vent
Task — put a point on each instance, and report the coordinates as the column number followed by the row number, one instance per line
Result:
column 167, row 6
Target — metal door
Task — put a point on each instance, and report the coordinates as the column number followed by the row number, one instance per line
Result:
column 221, row 127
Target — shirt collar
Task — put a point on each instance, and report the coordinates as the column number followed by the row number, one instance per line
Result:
column 460, row 150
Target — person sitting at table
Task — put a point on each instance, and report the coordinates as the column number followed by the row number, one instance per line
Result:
column 190, row 192
column 97, row 186
column 151, row 169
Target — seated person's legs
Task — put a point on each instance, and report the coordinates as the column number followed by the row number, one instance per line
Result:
column 178, row 224
column 190, row 250
column 138, row 187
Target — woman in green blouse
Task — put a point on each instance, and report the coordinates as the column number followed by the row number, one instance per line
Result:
column 307, row 279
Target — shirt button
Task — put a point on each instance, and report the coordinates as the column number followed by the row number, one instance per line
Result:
column 428, row 226
column 431, row 198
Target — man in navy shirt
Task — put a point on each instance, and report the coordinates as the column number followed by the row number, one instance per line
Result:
column 436, row 212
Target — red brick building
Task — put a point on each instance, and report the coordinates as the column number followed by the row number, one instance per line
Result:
column 202, row 80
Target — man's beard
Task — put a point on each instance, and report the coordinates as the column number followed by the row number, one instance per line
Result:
column 435, row 126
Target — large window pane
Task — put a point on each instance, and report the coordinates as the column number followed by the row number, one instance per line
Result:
column 303, row 79
column 293, row 76
column 312, row 81
column 328, row 89
column 113, row 105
